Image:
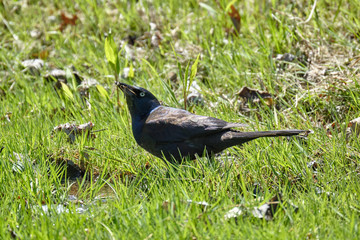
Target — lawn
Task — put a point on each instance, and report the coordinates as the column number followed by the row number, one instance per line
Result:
column 71, row 169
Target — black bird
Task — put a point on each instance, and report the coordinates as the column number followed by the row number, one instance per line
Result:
column 173, row 134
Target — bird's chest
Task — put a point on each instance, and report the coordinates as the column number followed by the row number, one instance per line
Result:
column 137, row 127
column 140, row 136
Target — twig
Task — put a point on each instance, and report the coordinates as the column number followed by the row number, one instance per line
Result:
column 357, row 59
column 311, row 13
column 295, row 18
column 104, row 129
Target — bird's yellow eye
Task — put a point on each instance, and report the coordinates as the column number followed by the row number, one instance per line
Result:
column 142, row 94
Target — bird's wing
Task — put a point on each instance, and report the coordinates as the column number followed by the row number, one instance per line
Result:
column 167, row 124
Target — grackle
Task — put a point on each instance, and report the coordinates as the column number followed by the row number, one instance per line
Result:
column 173, row 134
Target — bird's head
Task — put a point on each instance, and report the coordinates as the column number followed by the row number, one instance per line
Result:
column 139, row 100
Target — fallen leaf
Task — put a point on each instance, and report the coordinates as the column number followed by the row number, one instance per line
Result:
column 58, row 75
column 194, row 97
column 73, row 130
column 42, row 55
column 235, row 18
column 67, row 20
column 84, row 92
column 287, row 57
column 62, row 76
column 20, row 162
column 265, row 211
column 147, row 165
column 33, row 66
column 255, row 96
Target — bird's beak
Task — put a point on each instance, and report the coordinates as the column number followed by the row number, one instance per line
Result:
column 127, row 89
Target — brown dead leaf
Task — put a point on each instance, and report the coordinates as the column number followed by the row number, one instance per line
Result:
column 235, row 18
column 255, row 96
column 147, row 165
column 42, row 54
column 67, row 20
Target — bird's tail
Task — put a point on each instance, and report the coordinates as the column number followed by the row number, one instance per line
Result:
column 238, row 138
column 234, row 137
column 276, row 133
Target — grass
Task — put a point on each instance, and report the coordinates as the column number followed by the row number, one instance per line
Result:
column 129, row 194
